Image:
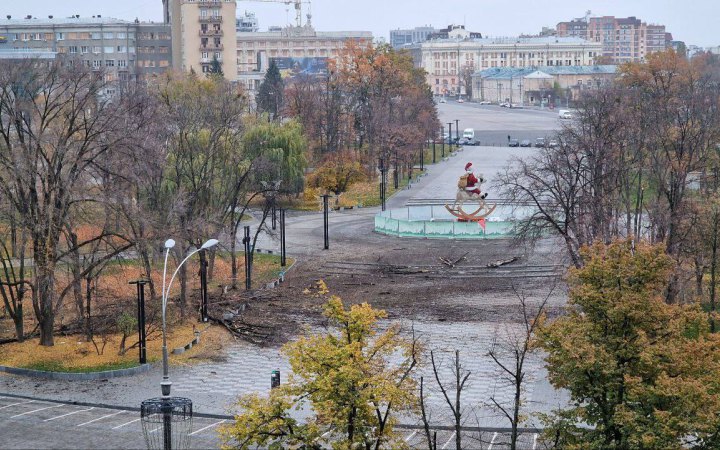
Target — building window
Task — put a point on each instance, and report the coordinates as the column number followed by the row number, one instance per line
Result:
column 60, row 36
column 96, row 49
column 96, row 35
column 109, row 63
column 109, row 49
column 109, row 35
column 97, row 63
column 121, row 35
column 73, row 49
column 122, row 63
column 121, row 49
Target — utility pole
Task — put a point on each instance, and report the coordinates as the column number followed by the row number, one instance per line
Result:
column 450, row 135
column 248, row 258
column 457, row 130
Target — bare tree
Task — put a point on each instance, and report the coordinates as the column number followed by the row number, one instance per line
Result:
column 460, row 378
column 56, row 123
column 510, row 355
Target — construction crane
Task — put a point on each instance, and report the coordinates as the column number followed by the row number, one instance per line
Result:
column 298, row 7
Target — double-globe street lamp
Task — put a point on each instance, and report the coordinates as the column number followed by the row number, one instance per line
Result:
column 171, row 415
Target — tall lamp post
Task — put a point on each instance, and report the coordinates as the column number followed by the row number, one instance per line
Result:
column 171, row 414
column 169, row 244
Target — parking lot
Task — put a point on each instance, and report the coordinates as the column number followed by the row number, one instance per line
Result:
column 493, row 124
column 35, row 423
column 30, row 423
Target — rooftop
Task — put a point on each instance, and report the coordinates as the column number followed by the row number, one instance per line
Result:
column 65, row 21
column 501, row 73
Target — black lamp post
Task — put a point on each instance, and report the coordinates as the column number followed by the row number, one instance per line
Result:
column 442, row 131
column 457, row 130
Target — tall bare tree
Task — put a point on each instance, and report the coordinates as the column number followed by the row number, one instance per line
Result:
column 56, row 123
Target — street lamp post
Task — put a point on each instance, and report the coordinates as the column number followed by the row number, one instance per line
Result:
column 450, row 135
column 442, row 135
column 165, row 409
column 457, row 130
column 169, row 244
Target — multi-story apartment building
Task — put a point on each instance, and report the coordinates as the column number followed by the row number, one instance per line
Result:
column 203, row 32
column 101, row 43
column 449, row 62
column 623, row 39
column 255, row 50
column 154, row 48
column 399, row 37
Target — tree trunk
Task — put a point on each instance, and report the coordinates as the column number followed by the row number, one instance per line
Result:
column 211, row 263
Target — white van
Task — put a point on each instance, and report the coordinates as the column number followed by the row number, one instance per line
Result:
column 469, row 133
column 565, row 114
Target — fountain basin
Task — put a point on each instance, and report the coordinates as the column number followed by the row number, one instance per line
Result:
column 434, row 221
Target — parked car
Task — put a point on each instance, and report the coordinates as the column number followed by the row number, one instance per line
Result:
column 565, row 114
column 516, row 105
column 513, row 143
column 485, row 102
column 552, row 143
column 472, row 141
column 461, row 100
column 540, row 142
column 525, row 143
column 463, row 141
column 504, row 104
column 442, row 100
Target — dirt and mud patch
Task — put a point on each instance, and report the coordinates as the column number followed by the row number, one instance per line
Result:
column 429, row 280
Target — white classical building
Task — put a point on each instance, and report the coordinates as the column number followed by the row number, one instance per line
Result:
column 449, row 63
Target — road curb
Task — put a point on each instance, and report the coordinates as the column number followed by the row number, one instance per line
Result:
column 69, row 376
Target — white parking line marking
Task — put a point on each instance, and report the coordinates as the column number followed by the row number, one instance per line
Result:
column 101, row 418
column 492, row 441
column 449, row 440
column 68, row 414
column 36, row 410
column 19, row 403
column 209, row 426
column 412, row 435
column 534, row 441
column 128, row 423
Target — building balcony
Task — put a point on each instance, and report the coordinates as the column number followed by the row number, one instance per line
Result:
column 209, row 60
column 211, row 48
column 211, row 19
column 204, row 33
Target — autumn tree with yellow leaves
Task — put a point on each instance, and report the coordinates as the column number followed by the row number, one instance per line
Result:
column 349, row 383
column 641, row 373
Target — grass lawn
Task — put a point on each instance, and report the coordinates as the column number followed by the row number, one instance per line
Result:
column 74, row 354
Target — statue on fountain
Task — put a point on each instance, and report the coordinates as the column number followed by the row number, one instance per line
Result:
column 469, row 190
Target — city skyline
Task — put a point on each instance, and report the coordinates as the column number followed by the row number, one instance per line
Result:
column 490, row 17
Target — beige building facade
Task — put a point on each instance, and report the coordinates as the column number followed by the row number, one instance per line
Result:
column 203, row 31
column 256, row 50
column 450, row 62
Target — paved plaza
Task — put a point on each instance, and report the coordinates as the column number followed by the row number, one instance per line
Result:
column 214, row 386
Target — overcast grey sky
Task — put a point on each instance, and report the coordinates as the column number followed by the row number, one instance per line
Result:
column 693, row 21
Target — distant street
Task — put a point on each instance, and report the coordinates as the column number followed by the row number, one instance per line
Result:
column 493, row 124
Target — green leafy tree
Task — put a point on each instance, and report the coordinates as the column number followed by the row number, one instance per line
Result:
column 279, row 153
column 346, row 377
column 270, row 94
column 641, row 373
column 215, row 67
